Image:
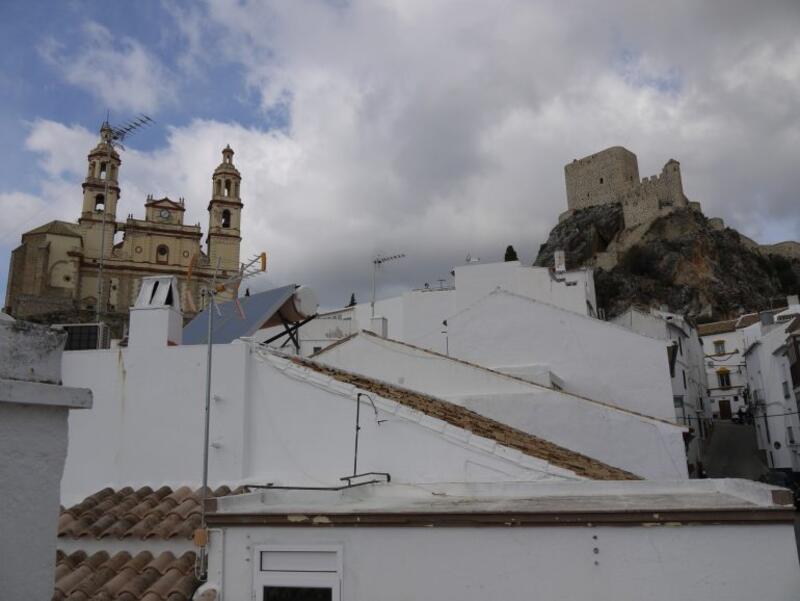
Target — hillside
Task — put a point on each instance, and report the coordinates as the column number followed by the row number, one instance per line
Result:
column 682, row 260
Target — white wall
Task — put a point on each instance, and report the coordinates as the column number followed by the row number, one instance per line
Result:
column 594, row 358
column 272, row 421
column 688, row 378
column 720, row 562
column 475, row 281
column 417, row 315
column 33, row 445
column 646, row 447
column 775, row 414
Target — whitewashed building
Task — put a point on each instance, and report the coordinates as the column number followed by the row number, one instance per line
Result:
column 699, row 539
column 775, row 407
column 281, row 422
column 685, row 359
column 274, row 419
column 549, row 345
column 726, row 370
column 420, row 314
column 646, row 446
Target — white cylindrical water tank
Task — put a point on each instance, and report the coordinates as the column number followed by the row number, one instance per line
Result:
column 303, row 304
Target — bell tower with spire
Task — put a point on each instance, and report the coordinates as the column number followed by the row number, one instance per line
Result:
column 224, row 214
column 100, row 194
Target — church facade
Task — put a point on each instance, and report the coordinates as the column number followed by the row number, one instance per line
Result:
column 61, row 270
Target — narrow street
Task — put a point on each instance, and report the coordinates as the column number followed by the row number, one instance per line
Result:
column 732, row 452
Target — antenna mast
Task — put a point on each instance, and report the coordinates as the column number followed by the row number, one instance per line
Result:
column 376, row 263
column 254, row 266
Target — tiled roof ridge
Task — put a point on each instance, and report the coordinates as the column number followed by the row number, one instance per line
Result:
column 140, row 577
column 477, row 424
column 504, row 375
column 731, row 325
column 139, row 514
column 56, row 226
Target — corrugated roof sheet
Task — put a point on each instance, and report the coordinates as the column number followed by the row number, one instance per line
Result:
column 125, row 577
column 137, row 514
column 479, row 425
column 229, row 324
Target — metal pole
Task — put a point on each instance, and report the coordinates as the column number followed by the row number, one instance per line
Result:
column 209, row 349
column 372, row 302
column 358, row 427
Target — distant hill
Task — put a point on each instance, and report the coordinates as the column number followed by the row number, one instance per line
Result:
column 683, row 260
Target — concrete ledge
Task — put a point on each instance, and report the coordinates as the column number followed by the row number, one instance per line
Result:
column 35, row 393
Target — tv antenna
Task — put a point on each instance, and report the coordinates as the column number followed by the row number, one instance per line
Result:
column 376, row 263
column 113, row 137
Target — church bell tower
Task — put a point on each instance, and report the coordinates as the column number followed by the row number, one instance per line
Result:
column 101, row 194
column 224, row 214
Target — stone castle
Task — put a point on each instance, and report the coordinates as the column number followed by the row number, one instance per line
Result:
column 53, row 274
column 612, row 176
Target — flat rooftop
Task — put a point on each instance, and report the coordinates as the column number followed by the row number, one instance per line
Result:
column 511, row 503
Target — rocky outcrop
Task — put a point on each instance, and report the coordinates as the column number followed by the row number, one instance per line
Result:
column 679, row 260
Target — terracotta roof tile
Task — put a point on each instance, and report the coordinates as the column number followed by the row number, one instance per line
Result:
column 716, row 327
column 136, row 514
column 478, row 424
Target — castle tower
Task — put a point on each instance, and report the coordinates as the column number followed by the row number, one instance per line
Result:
column 673, row 184
column 100, row 195
column 224, row 214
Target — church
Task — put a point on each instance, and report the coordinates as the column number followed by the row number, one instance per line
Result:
column 62, row 270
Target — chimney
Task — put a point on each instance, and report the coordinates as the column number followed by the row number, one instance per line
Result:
column 560, row 259
column 767, row 318
column 793, row 300
column 156, row 319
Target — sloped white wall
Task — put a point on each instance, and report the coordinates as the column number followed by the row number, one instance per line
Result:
column 594, row 358
column 646, row 447
column 266, row 426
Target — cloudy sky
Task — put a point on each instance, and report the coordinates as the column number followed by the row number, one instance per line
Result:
column 436, row 128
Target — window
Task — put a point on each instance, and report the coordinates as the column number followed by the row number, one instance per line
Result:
column 218, row 188
column 297, row 573
column 790, row 435
column 724, row 378
column 162, row 254
column 103, row 170
column 99, row 203
column 719, row 347
column 227, row 187
column 680, row 347
column 677, row 401
column 683, row 372
column 226, row 218
column 601, row 180
column 296, row 593
column 786, row 393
